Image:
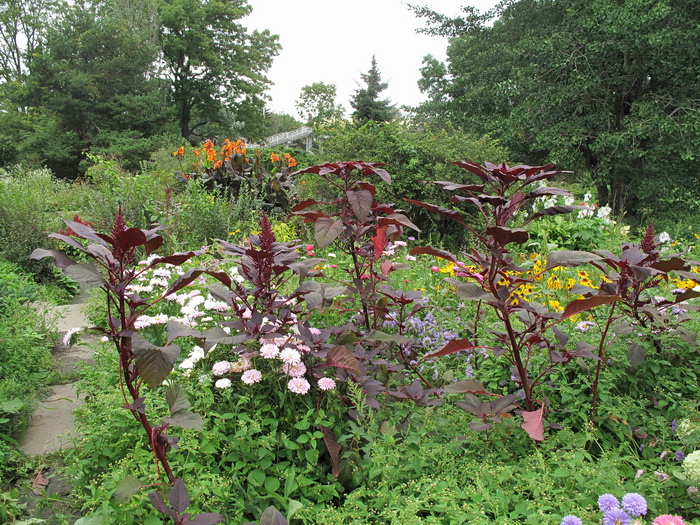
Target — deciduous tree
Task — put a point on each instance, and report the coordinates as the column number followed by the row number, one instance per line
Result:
column 316, row 104
column 216, row 68
column 612, row 84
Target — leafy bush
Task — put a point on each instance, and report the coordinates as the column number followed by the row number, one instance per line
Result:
column 25, row 195
column 414, row 154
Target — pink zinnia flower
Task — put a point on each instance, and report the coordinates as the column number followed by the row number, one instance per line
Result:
column 334, row 265
column 269, row 351
column 221, row 368
column 290, row 356
column 434, row 268
column 251, row 376
column 294, row 370
column 326, row 383
column 298, row 385
column 309, row 247
column 667, row 519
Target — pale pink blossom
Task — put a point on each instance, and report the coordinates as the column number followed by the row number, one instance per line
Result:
column 290, row 356
column 326, row 383
column 269, row 351
column 221, row 368
column 668, row 519
column 294, row 370
column 251, row 376
column 298, row 385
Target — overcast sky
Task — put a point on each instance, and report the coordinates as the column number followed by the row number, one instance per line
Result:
column 333, row 41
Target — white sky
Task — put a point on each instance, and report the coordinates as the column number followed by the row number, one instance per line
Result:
column 333, row 41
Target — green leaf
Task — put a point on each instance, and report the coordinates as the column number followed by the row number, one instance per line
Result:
column 256, row 477
column 311, row 456
column 94, row 520
column 12, row 406
column 272, row 485
column 293, row 507
column 126, row 488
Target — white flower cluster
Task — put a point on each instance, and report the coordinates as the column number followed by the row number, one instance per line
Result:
column 691, row 466
column 686, row 427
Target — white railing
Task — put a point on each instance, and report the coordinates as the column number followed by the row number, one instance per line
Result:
column 286, row 137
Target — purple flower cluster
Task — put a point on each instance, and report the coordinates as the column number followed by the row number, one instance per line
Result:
column 633, row 506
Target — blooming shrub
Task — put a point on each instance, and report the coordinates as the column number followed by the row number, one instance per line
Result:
column 633, row 506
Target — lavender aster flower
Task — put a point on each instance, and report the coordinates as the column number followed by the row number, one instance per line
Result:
column 680, row 456
column 634, row 504
column 608, row 502
column 571, row 520
column 616, row 517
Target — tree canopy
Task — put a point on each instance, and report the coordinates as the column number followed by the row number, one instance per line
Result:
column 121, row 77
column 316, row 104
column 610, row 87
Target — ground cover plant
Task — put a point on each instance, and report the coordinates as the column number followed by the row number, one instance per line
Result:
column 357, row 376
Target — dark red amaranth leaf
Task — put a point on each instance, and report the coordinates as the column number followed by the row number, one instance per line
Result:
column 454, row 346
column 532, row 424
column 581, row 305
column 333, row 448
column 452, row 214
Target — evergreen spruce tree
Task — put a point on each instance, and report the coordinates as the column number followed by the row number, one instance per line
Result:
column 366, row 101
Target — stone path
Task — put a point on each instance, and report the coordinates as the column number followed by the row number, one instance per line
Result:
column 50, row 427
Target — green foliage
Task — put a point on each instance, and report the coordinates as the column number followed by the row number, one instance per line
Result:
column 413, row 153
column 316, row 104
column 94, row 81
column 613, row 86
column 24, row 219
column 25, row 362
column 279, row 123
column 216, row 67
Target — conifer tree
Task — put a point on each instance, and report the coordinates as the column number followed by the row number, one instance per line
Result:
column 366, row 102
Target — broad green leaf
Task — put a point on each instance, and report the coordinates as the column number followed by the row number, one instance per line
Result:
column 126, row 488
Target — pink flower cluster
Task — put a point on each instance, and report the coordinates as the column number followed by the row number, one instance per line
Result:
column 667, row 519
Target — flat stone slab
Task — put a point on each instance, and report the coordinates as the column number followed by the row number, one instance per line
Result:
column 52, row 422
